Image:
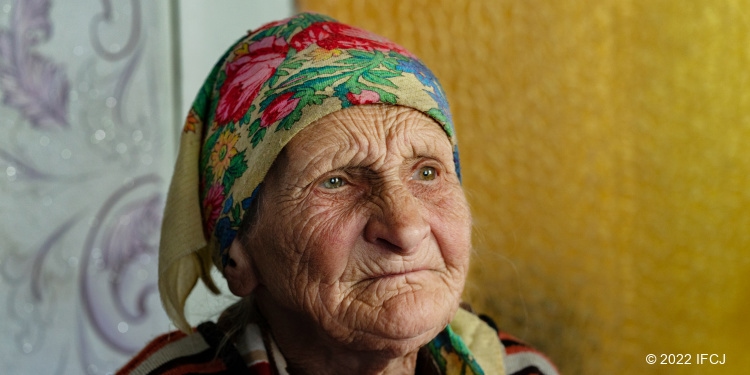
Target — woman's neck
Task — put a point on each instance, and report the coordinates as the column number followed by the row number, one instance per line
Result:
column 308, row 351
column 311, row 364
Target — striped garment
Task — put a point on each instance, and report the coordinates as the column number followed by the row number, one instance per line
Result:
column 203, row 352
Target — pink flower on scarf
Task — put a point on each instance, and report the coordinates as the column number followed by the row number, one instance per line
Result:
column 332, row 35
column 212, row 206
column 364, row 97
column 247, row 74
column 279, row 108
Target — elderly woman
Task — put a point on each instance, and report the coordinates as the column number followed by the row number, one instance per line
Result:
column 318, row 170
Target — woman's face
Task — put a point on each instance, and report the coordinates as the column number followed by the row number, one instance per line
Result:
column 363, row 230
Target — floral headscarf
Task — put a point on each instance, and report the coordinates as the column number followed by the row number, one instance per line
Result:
column 265, row 89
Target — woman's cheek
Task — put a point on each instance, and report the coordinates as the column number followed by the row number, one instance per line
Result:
column 450, row 220
column 330, row 233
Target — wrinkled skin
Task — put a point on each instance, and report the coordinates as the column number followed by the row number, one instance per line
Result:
column 359, row 249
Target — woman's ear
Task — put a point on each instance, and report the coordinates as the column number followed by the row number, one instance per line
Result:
column 240, row 271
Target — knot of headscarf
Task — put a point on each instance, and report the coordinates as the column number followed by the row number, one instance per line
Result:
column 265, row 89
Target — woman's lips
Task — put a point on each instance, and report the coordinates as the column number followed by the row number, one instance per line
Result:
column 397, row 273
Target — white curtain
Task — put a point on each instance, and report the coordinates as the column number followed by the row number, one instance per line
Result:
column 91, row 105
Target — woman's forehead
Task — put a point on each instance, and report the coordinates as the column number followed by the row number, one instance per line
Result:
column 378, row 127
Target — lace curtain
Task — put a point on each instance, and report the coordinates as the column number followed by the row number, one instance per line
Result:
column 88, row 118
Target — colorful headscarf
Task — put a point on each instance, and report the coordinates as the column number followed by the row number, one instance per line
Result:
column 265, row 89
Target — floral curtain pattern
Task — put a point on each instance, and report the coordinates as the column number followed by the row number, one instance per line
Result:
column 86, row 120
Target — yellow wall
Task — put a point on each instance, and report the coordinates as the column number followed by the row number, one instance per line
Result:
column 606, row 154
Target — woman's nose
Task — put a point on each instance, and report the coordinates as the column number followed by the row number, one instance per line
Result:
column 398, row 223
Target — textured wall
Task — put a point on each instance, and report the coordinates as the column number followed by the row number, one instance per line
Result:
column 606, row 154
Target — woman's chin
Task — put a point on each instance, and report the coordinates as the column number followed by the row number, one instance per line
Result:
column 416, row 313
column 406, row 321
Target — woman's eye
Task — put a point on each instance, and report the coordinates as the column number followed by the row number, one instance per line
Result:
column 333, row 183
column 426, row 174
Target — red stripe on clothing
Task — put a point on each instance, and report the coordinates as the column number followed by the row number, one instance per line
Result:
column 520, row 349
column 152, row 347
column 261, row 368
column 198, row 368
column 514, row 346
